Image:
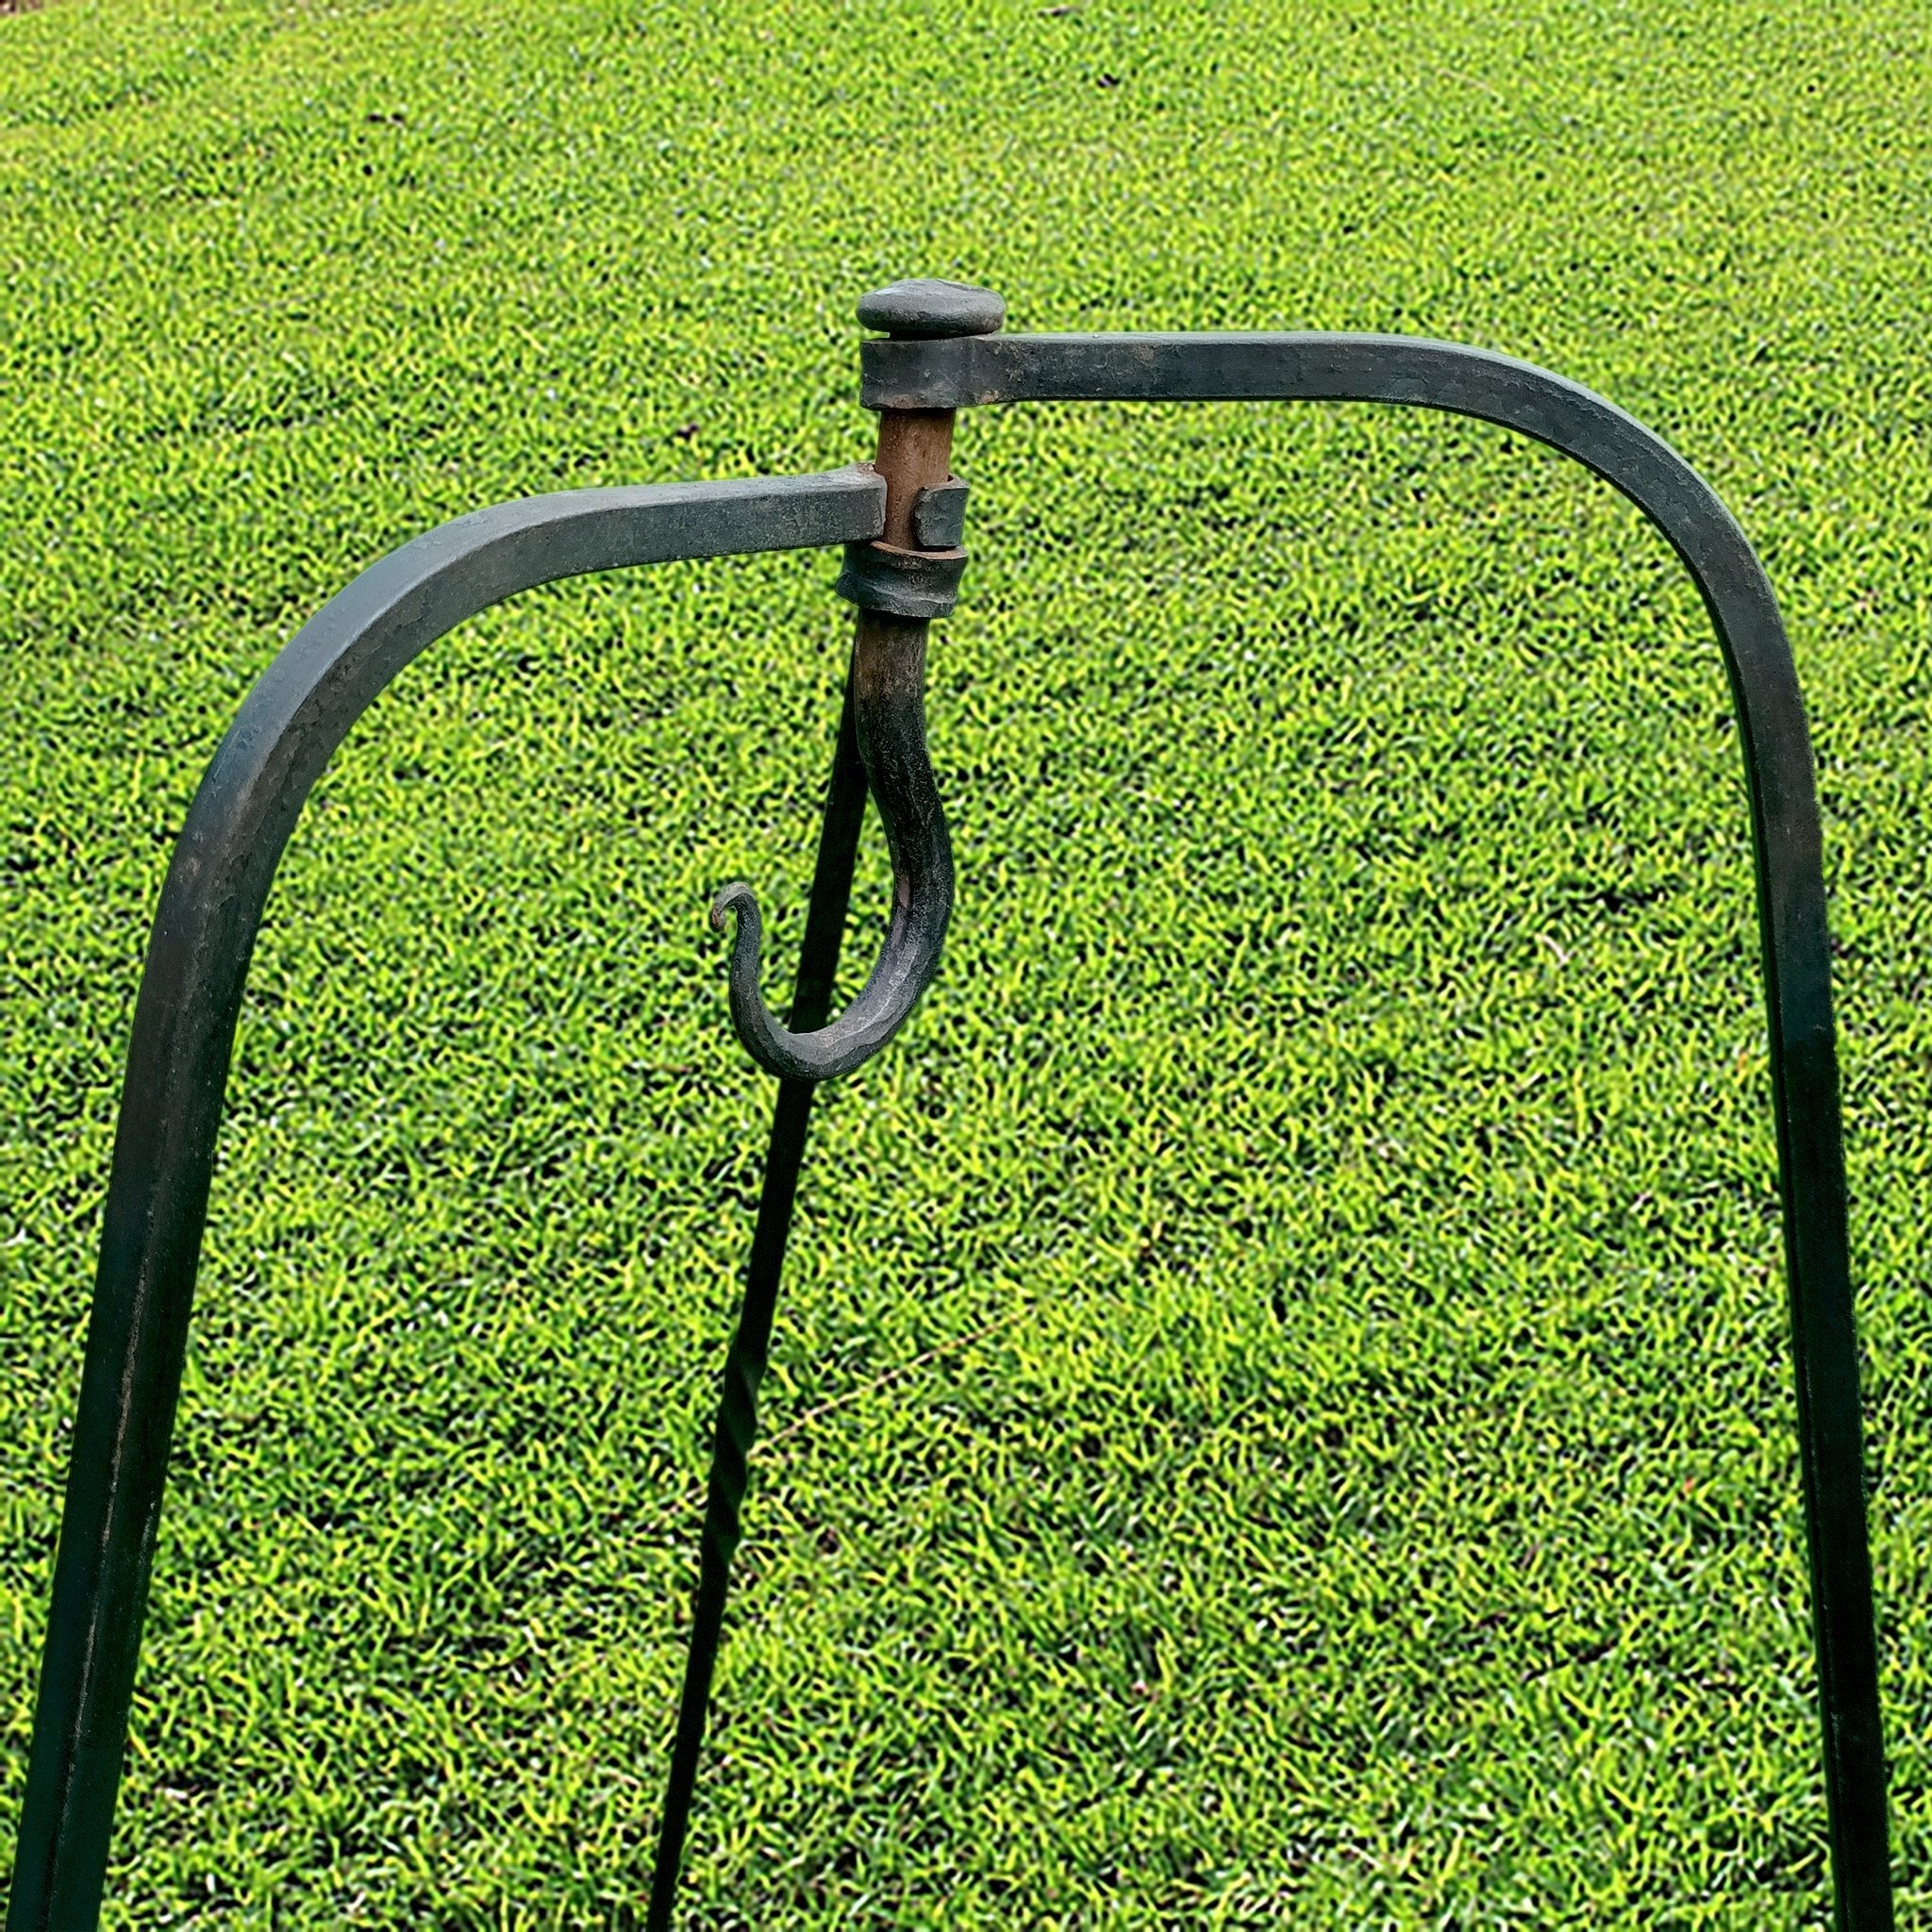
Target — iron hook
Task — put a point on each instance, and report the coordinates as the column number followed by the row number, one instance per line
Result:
column 889, row 710
column 908, row 575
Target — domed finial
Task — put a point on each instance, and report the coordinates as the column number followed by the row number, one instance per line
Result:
column 924, row 311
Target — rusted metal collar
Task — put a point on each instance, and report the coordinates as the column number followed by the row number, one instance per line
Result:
column 908, row 583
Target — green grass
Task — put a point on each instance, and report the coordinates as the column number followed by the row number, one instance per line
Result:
column 1281, row 1411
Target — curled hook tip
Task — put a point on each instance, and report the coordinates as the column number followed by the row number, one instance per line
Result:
column 736, row 897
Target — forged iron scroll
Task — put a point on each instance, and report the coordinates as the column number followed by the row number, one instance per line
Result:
column 184, row 1027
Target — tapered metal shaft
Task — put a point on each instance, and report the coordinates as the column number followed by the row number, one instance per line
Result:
column 745, row 1366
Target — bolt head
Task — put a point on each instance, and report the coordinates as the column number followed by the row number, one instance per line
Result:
column 925, row 310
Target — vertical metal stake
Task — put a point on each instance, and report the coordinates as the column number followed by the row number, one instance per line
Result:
column 745, row 1366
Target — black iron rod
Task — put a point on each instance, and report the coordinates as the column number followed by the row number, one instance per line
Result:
column 745, row 1366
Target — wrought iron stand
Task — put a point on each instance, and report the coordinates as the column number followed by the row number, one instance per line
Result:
column 900, row 518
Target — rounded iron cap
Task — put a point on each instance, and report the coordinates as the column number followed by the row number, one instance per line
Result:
column 925, row 310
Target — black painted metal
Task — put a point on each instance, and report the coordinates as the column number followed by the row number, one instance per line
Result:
column 184, row 1027
column 881, row 744
column 912, row 374
column 227, row 855
column 745, row 1366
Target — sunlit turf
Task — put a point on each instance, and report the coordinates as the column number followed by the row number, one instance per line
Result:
column 1280, row 1411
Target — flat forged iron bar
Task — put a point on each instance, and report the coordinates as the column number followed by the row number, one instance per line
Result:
column 900, row 521
column 184, row 1027
column 1787, row 841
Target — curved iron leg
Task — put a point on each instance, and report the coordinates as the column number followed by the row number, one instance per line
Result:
column 934, row 374
column 177, row 1064
column 744, row 1367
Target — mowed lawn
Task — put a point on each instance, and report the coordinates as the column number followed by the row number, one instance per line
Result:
column 1281, row 1412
